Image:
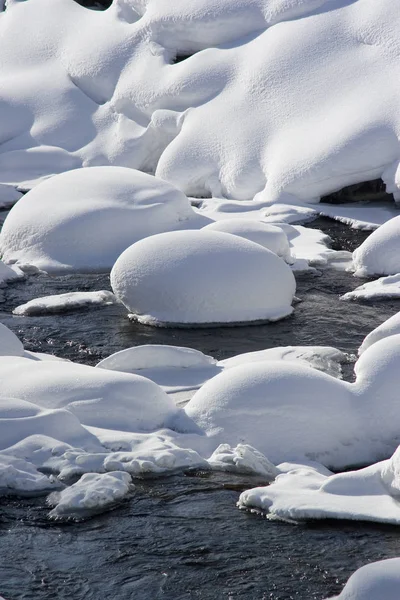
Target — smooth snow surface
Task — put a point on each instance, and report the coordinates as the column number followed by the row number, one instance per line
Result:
column 10, row 345
column 376, row 581
column 370, row 494
column 91, row 494
column 84, row 219
column 17, row 476
column 389, row 327
column 384, row 287
column 202, row 277
column 8, row 273
column 379, row 255
column 271, row 237
column 64, row 302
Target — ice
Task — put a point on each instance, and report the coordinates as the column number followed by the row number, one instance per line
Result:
column 378, row 255
column 84, row 219
column 92, row 494
column 376, row 581
column 271, row 237
column 186, row 277
column 65, row 302
column 384, row 287
column 389, row 327
column 10, row 345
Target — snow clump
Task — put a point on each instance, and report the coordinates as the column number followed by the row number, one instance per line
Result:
column 379, row 254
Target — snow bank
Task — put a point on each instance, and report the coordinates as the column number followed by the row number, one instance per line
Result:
column 90, row 495
column 370, row 494
column 269, row 236
column 17, row 476
column 389, row 327
column 10, row 345
column 64, row 302
column 384, row 287
column 379, row 255
column 202, row 277
column 379, row 580
column 84, row 219
column 95, row 396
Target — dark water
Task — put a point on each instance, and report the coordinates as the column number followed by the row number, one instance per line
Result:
column 182, row 537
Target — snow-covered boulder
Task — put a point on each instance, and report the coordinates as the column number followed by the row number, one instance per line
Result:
column 283, row 409
column 379, row 254
column 97, row 397
column 200, row 277
column 64, row 302
column 376, row 581
column 387, row 328
column 84, row 219
column 10, row 345
column 271, row 237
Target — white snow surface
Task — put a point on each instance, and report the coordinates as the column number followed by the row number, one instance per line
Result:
column 65, row 302
column 10, row 345
column 20, row 477
column 9, row 273
column 369, row 494
column 375, row 581
column 389, row 327
column 91, row 494
column 379, row 255
column 107, row 93
column 384, row 287
column 84, row 219
column 202, row 277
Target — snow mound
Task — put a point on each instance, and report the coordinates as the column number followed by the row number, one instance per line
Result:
column 242, row 459
column 84, row 219
column 64, row 303
column 379, row 255
column 17, row 476
column 9, row 274
column 376, row 581
column 199, row 277
column 96, row 397
column 92, row 494
column 384, row 287
column 153, row 356
column 20, row 419
column 283, row 409
column 10, row 345
column 269, row 236
column 387, row 328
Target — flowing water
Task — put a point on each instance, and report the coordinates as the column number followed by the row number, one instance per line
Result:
column 182, row 537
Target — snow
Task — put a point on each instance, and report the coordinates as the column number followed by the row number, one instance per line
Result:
column 378, row 580
column 360, row 215
column 270, row 237
column 378, row 255
column 186, row 277
column 242, row 459
column 384, row 287
column 84, row 219
column 389, row 327
column 91, row 494
column 303, row 493
column 8, row 273
column 17, row 476
column 8, row 195
column 64, row 302
column 10, row 345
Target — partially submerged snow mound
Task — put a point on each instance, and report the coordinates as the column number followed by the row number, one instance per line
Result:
column 387, row 328
column 92, row 494
column 95, row 396
column 64, row 303
column 84, row 219
column 283, row 409
column 379, row 254
column 270, row 237
column 376, row 581
column 202, row 277
column 10, row 345
column 384, row 287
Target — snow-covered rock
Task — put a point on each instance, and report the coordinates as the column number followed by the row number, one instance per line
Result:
column 384, row 287
column 10, row 345
column 64, row 302
column 92, row 494
column 242, row 459
column 200, row 277
column 389, row 327
column 271, row 237
column 379, row 254
column 8, row 273
column 20, row 477
column 84, row 219
column 376, row 581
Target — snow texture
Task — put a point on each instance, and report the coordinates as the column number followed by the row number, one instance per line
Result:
column 389, row 327
column 379, row 255
column 376, row 581
column 84, row 219
column 64, row 303
column 384, row 287
column 19, row 477
column 202, row 277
